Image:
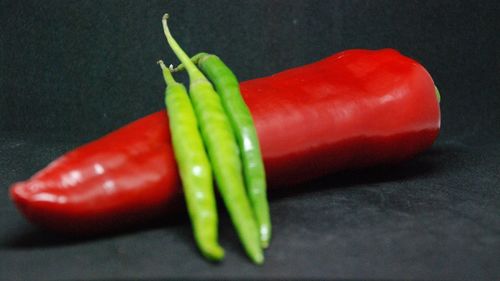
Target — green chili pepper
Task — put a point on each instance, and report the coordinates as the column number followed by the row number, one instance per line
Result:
column 222, row 150
column 227, row 86
column 194, row 167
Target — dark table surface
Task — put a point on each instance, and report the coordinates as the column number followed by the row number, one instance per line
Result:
column 71, row 71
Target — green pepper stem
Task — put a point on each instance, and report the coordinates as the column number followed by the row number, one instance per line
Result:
column 191, row 68
column 167, row 75
column 195, row 59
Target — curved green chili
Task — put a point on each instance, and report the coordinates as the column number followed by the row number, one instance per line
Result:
column 194, row 167
column 227, row 86
column 222, row 150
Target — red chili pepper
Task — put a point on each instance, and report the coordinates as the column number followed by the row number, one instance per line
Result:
column 353, row 109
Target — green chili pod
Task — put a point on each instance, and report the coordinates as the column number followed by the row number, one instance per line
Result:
column 227, row 86
column 194, row 167
column 222, row 150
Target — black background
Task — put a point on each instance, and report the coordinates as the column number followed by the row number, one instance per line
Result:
column 71, row 71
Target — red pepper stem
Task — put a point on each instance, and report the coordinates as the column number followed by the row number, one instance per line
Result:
column 438, row 95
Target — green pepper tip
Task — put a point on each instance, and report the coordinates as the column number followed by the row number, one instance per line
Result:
column 214, row 253
column 258, row 259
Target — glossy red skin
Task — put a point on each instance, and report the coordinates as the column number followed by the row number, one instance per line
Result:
column 353, row 109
